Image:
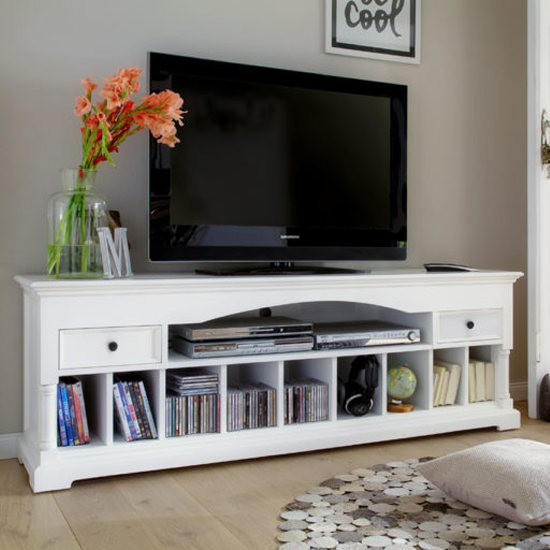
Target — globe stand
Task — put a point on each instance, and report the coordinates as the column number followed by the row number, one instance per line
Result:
column 401, row 385
column 398, row 407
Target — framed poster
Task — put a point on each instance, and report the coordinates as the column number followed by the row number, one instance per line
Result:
column 379, row 29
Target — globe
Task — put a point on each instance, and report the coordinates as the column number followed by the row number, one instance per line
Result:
column 401, row 383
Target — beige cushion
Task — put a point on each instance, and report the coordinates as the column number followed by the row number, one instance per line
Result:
column 510, row 478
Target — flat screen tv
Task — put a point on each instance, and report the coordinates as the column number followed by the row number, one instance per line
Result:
column 278, row 167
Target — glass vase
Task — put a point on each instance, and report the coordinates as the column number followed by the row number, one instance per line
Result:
column 74, row 214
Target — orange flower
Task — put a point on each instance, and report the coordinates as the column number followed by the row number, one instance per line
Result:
column 88, row 85
column 172, row 103
column 169, row 138
column 168, row 102
column 131, row 75
column 82, row 106
column 110, row 122
column 113, row 95
column 91, row 122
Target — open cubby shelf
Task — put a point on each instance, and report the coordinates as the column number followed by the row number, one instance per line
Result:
column 70, row 327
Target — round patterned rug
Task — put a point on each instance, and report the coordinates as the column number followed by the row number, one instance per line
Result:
column 393, row 507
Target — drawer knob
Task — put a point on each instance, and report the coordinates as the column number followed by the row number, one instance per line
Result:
column 113, row 346
column 470, row 325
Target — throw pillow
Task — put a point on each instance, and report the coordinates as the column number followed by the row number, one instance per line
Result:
column 510, row 478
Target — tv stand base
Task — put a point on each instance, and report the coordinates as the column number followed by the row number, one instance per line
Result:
column 279, row 268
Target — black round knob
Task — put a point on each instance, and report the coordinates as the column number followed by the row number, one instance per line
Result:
column 470, row 325
column 113, row 346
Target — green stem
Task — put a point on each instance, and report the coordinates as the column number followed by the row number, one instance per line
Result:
column 75, row 211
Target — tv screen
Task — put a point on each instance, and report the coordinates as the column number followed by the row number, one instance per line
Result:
column 278, row 166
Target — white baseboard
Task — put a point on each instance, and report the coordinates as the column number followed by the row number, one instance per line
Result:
column 8, row 445
column 519, row 391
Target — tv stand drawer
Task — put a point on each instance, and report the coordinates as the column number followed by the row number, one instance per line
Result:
column 109, row 346
column 470, row 325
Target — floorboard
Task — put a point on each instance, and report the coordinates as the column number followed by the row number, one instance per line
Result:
column 227, row 506
column 28, row 520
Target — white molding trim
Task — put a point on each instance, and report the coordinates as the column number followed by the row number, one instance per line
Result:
column 519, row 390
column 8, row 445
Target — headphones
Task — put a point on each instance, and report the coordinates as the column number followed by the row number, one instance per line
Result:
column 356, row 398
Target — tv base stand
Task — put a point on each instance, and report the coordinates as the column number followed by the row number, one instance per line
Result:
column 279, row 268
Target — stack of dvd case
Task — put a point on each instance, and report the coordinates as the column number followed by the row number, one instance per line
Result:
column 251, row 406
column 192, row 402
column 133, row 413
column 306, row 400
column 71, row 413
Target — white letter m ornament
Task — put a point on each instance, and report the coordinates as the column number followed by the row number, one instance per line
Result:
column 115, row 254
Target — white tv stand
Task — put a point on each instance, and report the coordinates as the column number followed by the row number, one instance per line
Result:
column 69, row 324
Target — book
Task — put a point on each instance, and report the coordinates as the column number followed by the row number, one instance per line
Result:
column 72, row 414
column 455, row 371
column 77, row 388
column 139, row 405
column 134, row 424
column 435, row 384
column 66, row 414
column 62, row 431
column 444, row 386
column 440, row 372
column 135, row 411
column 148, row 412
column 480, row 380
column 120, row 416
column 472, row 395
column 78, row 416
column 489, row 381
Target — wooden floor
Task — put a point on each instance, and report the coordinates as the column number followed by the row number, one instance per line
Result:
column 232, row 506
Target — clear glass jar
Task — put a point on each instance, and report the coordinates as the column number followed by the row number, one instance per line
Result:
column 74, row 214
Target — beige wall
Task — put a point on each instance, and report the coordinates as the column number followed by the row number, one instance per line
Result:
column 467, row 118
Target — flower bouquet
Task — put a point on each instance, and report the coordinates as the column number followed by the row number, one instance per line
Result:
column 75, row 214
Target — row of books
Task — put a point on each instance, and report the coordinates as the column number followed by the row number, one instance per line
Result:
column 71, row 413
column 133, row 414
column 306, row 400
column 192, row 414
column 481, row 381
column 251, row 406
column 446, row 382
column 192, row 402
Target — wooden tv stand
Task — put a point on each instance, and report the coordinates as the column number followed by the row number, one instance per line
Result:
column 68, row 325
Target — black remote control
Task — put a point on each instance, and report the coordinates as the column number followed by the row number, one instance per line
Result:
column 441, row 267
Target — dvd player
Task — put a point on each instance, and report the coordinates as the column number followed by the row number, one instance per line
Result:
column 356, row 334
column 223, row 348
column 242, row 327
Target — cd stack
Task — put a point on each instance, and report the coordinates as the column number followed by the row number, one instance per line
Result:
column 251, row 406
column 306, row 400
column 193, row 402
